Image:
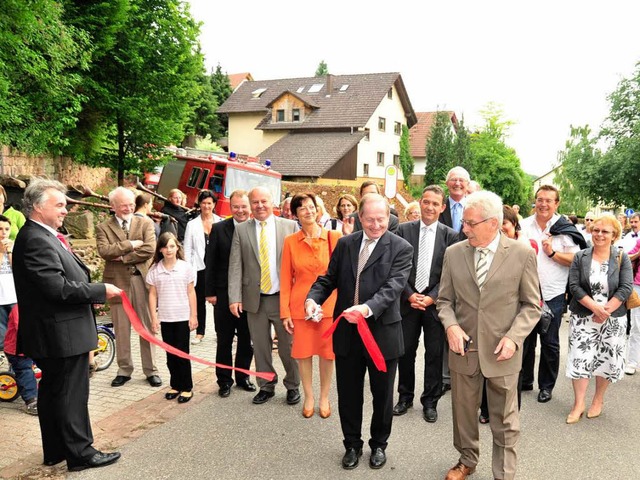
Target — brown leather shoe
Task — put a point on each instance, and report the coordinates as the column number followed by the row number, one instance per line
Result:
column 459, row 472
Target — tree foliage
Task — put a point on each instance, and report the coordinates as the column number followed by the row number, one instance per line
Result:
column 40, row 57
column 462, row 148
column 609, row 177
column 574, row 173
column 496, row 166
column 406, row 160
column 222, row 90
column 440, row 152
column 322, row 69
column 141, row 94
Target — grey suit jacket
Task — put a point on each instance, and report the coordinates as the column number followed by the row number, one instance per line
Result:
column 244, row 261
column 508, row 305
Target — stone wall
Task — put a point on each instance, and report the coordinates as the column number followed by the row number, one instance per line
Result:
column 63, row 169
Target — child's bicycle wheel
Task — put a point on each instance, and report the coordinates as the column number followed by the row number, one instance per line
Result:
column 106, row 351
column 8, row 387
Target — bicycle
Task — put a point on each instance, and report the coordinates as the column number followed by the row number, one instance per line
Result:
column 106, row 350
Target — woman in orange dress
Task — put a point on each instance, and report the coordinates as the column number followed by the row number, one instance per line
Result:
column 305, row 255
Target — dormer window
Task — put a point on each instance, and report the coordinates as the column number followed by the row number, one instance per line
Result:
column 280, row 116
column 295, row 115
column 258, row 93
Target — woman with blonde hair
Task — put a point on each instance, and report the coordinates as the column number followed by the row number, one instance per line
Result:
column 600, row 280
column 412, row 212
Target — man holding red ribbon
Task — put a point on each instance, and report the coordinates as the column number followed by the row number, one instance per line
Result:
column 370, row 269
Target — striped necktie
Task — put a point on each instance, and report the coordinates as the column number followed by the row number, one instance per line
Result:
column 362, row 261
column 424, row 261
column 482, row 267
column 265, row 272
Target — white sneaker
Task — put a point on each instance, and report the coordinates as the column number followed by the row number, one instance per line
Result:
column 630, row 370
column 196, row 341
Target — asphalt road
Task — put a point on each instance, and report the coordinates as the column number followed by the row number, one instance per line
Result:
column 233, row 439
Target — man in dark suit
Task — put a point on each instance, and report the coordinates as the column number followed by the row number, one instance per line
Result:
column 429, row 239
column 57, row 326
column 216, row 291
column 254, row 287
column 370, row 270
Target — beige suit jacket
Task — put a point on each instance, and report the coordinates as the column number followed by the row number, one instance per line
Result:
column 244, row 261
column 112, row 244
column 508, row 305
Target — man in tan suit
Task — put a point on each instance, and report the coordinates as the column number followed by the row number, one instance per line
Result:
column 254, row 287
column 127, row 243
column 488, row 303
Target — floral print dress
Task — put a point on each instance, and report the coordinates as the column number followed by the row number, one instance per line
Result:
column 597, row 348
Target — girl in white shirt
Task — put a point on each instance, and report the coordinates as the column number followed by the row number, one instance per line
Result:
column 172, row 304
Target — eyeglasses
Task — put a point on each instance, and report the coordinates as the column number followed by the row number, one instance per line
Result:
column 597, row 231
column 473, row 224
column 588, row 219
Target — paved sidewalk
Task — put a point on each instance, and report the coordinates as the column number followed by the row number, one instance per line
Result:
column 110, row 409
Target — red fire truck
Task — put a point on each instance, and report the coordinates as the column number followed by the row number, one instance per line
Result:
column 222, row 173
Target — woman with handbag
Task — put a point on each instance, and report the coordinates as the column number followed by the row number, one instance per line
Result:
column 600, row 280
column 305, row 255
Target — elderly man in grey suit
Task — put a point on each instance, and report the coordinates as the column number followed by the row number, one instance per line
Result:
column 254, row 287
column 488, row 303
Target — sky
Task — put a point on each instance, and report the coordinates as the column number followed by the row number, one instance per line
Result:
column 547, row 64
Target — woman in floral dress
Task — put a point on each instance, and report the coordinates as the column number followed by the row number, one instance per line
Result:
column 600, row 280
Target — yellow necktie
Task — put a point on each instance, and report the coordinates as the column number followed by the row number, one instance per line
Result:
column 265, row 277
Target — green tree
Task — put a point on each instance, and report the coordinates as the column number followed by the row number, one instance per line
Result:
column 496, row 166
column 222, row 90
column 440, row 154
column 142, row 91
column 406, row 160
column 322, row 69
column 40, row 57
column 462, row 148
column 575, row 164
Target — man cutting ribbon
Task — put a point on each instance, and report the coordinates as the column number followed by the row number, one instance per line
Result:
column 370, row 269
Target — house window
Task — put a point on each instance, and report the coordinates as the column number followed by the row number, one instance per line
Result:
column 365, row 170
column 380, row 161
column 382, row 123
column 280, row 116
column 396, row 160
column 295, row 115
column 390, row 94
column 397, row 128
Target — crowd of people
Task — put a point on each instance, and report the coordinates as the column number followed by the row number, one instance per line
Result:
column 475, row 279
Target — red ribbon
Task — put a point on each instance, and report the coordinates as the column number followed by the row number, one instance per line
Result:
column 149, row 337
column 365, row 334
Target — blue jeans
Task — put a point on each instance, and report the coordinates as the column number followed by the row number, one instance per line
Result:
column 549, row 349
column 5, row 310
column 23, row 370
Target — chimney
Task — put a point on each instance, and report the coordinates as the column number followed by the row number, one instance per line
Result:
column 329, row 84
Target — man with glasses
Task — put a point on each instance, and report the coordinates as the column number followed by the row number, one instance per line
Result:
column 558, row 240
column 586, row 230
column 488, row 303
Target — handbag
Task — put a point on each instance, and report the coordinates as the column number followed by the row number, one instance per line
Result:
column 634, row 299
column 545, row 318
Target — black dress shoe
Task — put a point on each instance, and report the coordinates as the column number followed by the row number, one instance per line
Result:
column 247, row 386
column 351, row 458
column 171, row 395
column 52, row 462
column 119, row 381
column 378, row 458
column 185, row 397
column 544, row 396
column 225, row 391
column 98, row 459
column 402, row 407
column 527, row 388
column 262, row 397
column 446, row 387
column 154, row 380
column 293, row 396
column 430, row 414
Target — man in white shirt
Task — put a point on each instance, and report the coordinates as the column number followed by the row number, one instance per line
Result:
column 558, row 240
column 630, row 239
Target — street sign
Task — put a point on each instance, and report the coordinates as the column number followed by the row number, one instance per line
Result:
column 628, row 212
column 390, row 181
